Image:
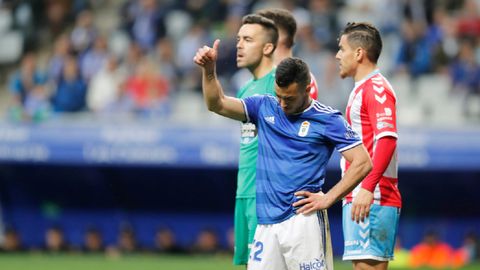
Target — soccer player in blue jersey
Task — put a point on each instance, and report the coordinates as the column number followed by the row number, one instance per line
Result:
column 296, row 137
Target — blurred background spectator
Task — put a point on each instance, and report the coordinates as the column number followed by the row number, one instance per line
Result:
column 93, row 241
column 27, row 89
column 147, row 90
column 166, row 242
column 71, row 89
column 207, row 242
column 469, row 251
column 12, row 241
column 104, row 90
column 465, row 74
column 127, row 241
column 55, row 241
column 84, row 32
column 431, row 252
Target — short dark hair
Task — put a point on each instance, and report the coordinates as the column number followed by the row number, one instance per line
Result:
column 267, row 24
column 366, row 36
column 284, row 21
column 292, row 70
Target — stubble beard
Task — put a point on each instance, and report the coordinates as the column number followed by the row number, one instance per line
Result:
column 343, row 74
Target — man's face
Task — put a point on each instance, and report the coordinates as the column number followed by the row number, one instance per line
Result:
column 292, row 99
column 346, row 58
column 250, row 44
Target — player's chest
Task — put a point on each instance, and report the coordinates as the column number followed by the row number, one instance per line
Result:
column 296, row 130
column 354, row 106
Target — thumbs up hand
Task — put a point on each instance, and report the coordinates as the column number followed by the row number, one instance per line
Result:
column 206, row 57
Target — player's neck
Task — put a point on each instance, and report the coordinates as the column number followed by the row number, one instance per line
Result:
column 280, row 54
column 304, row 106
column 307, row 103
column 263, row 68
column 363, row 70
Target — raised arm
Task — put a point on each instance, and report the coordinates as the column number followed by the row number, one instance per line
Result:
column 360, row 166
column 213, row 95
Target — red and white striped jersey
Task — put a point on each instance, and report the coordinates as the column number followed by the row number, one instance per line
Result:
column 371, row 111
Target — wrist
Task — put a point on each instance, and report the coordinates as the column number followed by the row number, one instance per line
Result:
column 368, row 186
column 210, row 73
column 329, row 200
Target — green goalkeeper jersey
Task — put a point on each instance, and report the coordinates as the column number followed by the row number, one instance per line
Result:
column 247, row 162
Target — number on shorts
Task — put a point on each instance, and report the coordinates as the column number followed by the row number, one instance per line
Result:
column 258, row 247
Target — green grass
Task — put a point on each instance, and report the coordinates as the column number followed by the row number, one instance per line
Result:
column 98, row 262
column 133, row 262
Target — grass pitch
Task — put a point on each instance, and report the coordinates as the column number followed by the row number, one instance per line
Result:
column 132, row 262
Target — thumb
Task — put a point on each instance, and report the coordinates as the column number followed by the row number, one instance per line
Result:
column 216, row 44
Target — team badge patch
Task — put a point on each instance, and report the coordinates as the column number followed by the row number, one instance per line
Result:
column 248, row 132
column 304, row 129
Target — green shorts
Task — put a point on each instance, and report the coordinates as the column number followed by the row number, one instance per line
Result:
column 245, row 225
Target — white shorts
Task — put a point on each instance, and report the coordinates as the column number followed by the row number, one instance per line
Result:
column 301, row 242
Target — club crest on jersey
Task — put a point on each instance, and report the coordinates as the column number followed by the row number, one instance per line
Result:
column 304, row 127
column 388, row 112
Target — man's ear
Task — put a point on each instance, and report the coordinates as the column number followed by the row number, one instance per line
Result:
column 359, row 54
column 309, row 87
column 268, row 48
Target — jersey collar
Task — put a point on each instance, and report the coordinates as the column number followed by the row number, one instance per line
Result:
column 370, row 75
column 306, row 109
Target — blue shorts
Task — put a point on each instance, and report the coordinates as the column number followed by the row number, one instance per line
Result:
column 372, row 239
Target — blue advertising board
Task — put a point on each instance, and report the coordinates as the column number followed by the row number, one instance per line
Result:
column 177, row 145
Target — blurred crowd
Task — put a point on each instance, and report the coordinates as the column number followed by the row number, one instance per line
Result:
column 434, row 253
column 71, row 63
column 164, row 241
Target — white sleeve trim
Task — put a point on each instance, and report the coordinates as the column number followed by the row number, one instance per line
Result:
column 246, row 111
column 349, row 146
column 385, row 134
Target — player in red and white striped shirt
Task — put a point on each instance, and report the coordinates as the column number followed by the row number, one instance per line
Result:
column 371, row 211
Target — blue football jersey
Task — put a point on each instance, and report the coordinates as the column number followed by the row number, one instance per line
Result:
column 293, row 152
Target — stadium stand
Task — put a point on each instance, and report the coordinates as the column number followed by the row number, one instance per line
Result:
column 136, row 159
